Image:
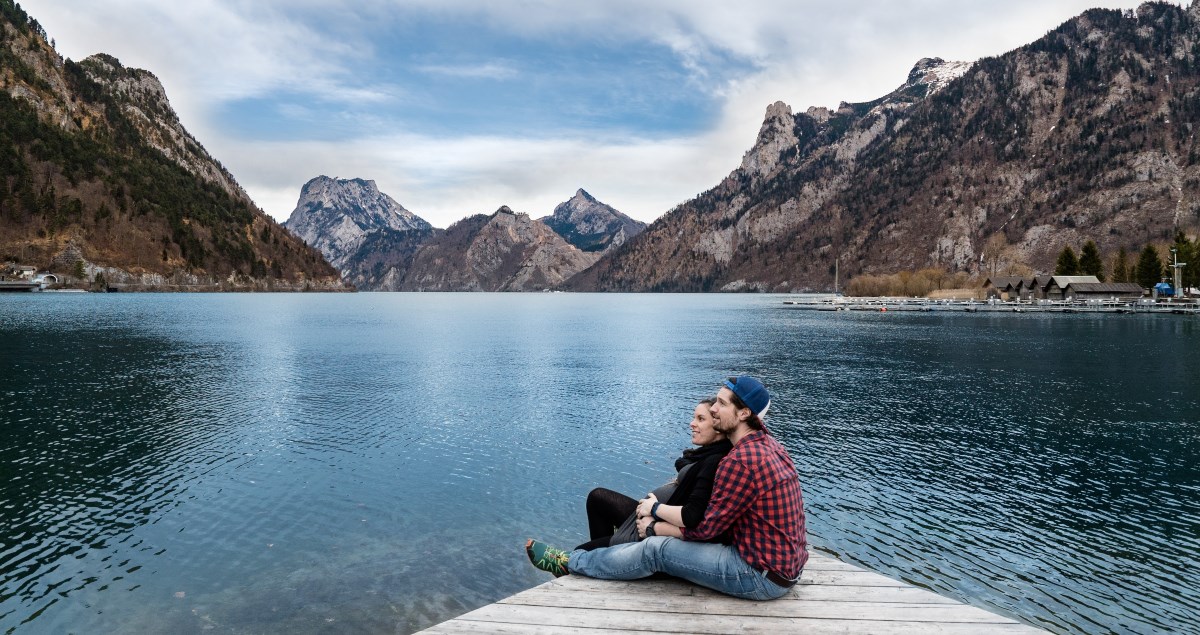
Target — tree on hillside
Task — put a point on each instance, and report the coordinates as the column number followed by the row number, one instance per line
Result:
column 1068, row 264
column 1185, row 253
column 1149, row 268
column 1120, row 268
column 1089, row 261
column 993, row 250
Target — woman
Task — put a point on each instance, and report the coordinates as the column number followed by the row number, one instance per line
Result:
column 612, row 517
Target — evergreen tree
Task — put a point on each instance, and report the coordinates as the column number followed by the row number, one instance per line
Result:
column 1120, row 268
column 1185, row 253
column 1068, row 264
column 1089, row 261
column 1149, row 268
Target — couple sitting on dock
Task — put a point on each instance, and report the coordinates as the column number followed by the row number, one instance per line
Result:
column 732, row 521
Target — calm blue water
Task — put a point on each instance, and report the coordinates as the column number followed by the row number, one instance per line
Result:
column 374, row 462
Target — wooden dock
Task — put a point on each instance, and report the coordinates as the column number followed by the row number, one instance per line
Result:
column 832, row 597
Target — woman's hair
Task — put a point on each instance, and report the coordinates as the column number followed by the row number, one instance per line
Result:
column 707, row 402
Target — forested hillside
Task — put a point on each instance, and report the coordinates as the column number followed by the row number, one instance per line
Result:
column 96, row 168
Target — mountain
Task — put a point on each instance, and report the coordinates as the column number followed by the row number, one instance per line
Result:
column 378, row 245
column 506, row 251
column 1087, row 133
column 101, row 179
column 354, row 225
column 591, row 225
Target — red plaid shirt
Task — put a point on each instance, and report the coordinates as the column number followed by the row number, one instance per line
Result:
column 757, row 493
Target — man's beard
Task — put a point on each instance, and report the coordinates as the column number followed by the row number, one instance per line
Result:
column 720, row 426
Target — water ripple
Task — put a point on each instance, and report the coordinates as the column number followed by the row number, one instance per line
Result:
column 196, row 464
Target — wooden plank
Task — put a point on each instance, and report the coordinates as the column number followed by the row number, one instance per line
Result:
column 640, row 602
column 465, row 627
column 857, row 578
column 700, row 624
column 808, row 592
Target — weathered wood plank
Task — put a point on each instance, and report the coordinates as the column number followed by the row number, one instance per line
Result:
column 462, row 627
column 701, row 624
column 667, row 606
column 856, row 578
column 807, row 592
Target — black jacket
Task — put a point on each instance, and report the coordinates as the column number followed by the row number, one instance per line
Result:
column 695, row 486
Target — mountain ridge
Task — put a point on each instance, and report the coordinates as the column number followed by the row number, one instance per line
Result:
column 1062, row 140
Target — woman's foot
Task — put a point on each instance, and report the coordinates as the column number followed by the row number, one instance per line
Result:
column 547, row 558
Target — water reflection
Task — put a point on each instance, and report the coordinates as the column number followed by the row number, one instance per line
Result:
column 92, row 436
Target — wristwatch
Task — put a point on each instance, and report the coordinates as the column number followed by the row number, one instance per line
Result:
column 650, row 530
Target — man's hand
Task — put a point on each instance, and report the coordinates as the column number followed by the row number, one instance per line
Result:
column 646, row 505
column 642, row 523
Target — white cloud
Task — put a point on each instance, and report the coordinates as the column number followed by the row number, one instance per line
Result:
column 489, row 70
column 804, row 52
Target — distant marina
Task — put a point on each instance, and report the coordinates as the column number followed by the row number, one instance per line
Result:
column 884, row 304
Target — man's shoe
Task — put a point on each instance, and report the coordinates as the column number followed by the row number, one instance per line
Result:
column 547, row 558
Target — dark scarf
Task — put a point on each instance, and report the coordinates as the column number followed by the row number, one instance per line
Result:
column 693, row 455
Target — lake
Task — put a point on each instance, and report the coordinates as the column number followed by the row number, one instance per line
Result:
column 374, row 462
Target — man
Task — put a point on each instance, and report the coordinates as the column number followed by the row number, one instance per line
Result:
column 756, row 495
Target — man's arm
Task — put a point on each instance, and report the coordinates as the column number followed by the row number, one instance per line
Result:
column 733, row 491
column 692, row 511
column 661, row 528
column 667, row 513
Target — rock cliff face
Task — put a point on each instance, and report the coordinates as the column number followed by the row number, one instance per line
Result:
column 1085, row 134
column 337, row 215
column 506, row 251
column 591, row 225
column 97, row 163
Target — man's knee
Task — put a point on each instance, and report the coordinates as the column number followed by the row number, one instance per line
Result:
column 652, row 550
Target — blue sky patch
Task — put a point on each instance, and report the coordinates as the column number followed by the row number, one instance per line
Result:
column 438, row 79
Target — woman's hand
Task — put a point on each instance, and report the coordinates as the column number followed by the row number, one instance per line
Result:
column 642, row 523
column 646, row 505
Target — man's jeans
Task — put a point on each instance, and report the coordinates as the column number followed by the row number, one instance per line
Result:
column 718, row 567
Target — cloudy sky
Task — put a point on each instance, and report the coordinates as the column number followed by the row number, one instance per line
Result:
column 456, row 107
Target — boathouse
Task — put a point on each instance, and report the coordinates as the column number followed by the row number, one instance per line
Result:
column 1057, row 287
column 1034, row 288
column 1103, row 291
column 1002, row 287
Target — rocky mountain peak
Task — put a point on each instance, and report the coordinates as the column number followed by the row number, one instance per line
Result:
column 778, row 132
column 935, row 73
column 591, row 225
column 335, row 216
column 145, row 103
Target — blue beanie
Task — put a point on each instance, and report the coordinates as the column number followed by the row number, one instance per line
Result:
column 751, row 392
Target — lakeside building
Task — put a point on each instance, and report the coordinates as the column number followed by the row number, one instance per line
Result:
column 1103, row 291
column 15, row 277
column 1013, row 288
column 1057, row 288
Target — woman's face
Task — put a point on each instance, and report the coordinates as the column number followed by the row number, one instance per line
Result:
column 702, row 427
